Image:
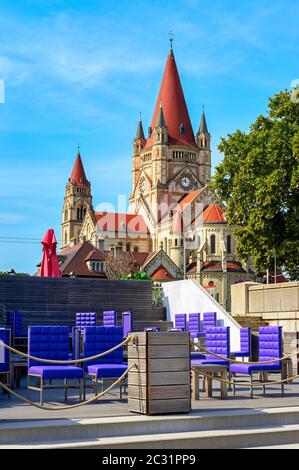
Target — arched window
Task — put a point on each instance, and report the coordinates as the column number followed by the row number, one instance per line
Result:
column 65, row 238
column 136, row 249
column 128, row 247
column 213, row 244
column 229, row 244
column 176, row 242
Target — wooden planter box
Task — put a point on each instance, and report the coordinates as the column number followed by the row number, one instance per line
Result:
column 161, row 382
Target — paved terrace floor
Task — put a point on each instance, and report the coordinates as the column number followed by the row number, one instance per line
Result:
column 110, row 405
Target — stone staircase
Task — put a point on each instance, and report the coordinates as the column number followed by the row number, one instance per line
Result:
column 247, row 428
column 250, row 321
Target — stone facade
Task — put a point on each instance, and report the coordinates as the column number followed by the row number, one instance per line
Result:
column 277, row 304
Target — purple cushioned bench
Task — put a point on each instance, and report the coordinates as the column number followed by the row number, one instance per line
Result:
column 218, row 342
column 86, row 319
column 270, row 347
column 209, row 319
column 180, row 321
column 51, row 342
column 245, row 344
column 109, row 318
column 111, row 366
column 127, row 319
column 194, row 325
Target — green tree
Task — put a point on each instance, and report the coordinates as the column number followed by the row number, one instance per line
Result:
column 138, row 276
column 258, row 181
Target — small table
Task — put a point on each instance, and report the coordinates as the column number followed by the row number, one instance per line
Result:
column 209, row 369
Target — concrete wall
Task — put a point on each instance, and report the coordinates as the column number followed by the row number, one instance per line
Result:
column 189, row 296
column 277, row 304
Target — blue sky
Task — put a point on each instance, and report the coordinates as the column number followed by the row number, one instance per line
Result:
column 80, row 72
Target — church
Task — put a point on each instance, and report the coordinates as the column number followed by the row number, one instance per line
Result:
column 175, row 228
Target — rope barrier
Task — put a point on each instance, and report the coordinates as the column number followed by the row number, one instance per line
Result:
column 72, row 361
column 249, row 384
column 234, row 361
column 68, row 407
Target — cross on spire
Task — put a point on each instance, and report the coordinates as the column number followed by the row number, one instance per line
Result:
column 171, row 35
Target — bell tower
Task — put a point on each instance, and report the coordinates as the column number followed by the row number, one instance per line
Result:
column 203, row 140
column 77, row 201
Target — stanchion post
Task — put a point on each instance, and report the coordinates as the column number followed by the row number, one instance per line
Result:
column 160, row 384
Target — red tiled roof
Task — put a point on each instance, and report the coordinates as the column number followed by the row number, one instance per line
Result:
column 162, row 273
column 174, row 106
column 78, row 173
column 216, row 266
column 73, row 260
column 95, row 255
column 213, row 213
column 179, row 207
column 116, row 222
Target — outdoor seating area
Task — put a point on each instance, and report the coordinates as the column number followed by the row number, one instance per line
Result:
column 92, row 356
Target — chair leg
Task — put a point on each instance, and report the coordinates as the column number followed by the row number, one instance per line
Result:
column 230, row 379
column 264, row 380
column 251, row 386
column 234, row 384
column 282, row 385
column 65, row 389
column 41, row 391
column 84, row 388
column 81, row 392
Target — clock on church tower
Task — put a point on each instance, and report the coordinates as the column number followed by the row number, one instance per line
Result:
column 185, row 182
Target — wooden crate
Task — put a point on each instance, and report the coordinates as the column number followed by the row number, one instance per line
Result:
column 160, row 384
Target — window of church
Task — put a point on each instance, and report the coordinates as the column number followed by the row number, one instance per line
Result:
column 229, row 244
column 176, row 242
column 128, row 247
column 136, row 249
column 213, row 244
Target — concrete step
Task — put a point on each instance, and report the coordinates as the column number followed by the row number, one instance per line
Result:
column 280, row 424
column 218, row 439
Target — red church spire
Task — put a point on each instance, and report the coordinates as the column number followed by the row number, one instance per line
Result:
column 78, row 173
column 174, row 107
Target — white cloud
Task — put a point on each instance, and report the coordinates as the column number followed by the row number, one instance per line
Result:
column 11, row 218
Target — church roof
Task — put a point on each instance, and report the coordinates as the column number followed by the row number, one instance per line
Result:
column 73, row 260
column 212, row 214
column 175, row 110
column 162, row 273
column 203, row 128
column 78, row 173
column 116, row 222
column 139, row 132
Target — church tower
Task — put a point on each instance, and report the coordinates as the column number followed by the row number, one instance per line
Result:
column 77, row 201
column 203, row 140
column 171, row 162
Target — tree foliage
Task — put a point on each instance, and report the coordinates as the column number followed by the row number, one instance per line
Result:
column 258, row 181
column 138, row 276
column 118, row 265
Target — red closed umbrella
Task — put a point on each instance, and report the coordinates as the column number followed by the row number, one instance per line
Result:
column 49, row 266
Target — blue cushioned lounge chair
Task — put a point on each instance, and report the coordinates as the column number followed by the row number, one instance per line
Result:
column 270, row 348
column 180, row 321
column 51, row 342
column 109, row 318
column 245, row 344
column 109, row 367
column 218, row 342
